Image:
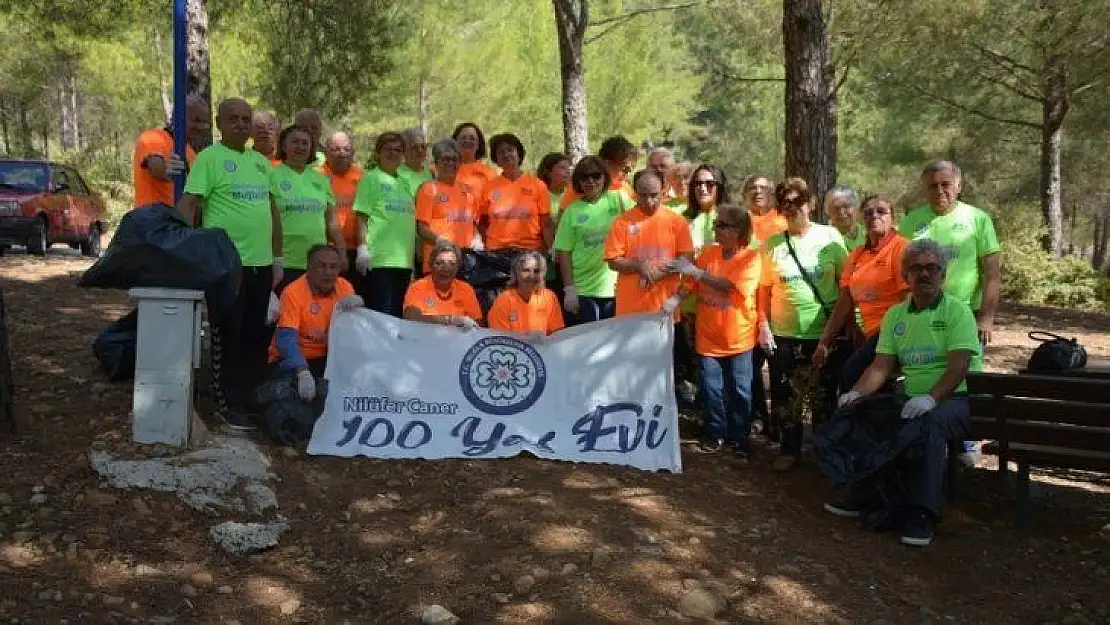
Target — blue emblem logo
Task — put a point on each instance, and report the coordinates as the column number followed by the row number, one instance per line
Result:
column 442, row 198
column 496, row 195
column 314, row 308
column 501, row 375
column 899, row 328
column 582, row 219
column 286, row 185
column 230, row 166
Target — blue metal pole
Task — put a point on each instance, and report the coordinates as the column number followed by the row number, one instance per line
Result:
column 180, row 87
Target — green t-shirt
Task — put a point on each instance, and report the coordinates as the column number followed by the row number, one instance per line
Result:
column 301, row 200
column 387, row 203
column 236, row 191
column 414, row 178
column 676, row 205
column 921, row 340
column 966, row 234
column 795, row 311
column 556, row 199
column 582, row 232
column 701, row 229
column 852, row 243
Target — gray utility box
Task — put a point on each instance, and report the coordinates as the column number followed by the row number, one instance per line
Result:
column 167, row 356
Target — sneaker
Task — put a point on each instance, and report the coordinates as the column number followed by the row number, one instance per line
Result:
column 783, row 464
column 971, row 459
column 711, row 445
column 846, row 508
column 238, row 420
column 919, row 530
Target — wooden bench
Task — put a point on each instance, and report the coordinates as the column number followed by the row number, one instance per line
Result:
column 1043, row 421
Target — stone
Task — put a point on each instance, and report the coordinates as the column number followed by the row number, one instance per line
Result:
column 501, row 597
column 289, row 607
column 188, row 590
column 600, row 557
column 141, row 507
column 225, row 590
column 38, row 499
column 38, row 489
column 438, row 615
column 247, row 538
column 540, row 573
column 700, row 603
column 569, row 569
column 202, row 578
column 523, row 584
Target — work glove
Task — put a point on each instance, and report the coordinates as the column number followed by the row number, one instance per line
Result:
column 362, row 259
column 918, row 406
column 848, row 398
column 570, row 299
column 466, row 323
column 766, row 339
column 350, row 302
column 476, row 243
column 306, row 385
column 272, row 310
column 279, row 269
column 670, row 305
column 686, row 268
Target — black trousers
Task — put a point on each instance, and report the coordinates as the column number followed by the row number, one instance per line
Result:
column 240, row 340
column 383, row 289
column 351, row 275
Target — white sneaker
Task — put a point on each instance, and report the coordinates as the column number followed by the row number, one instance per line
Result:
column 970, row 459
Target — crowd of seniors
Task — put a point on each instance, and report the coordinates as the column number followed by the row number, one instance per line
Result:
column 857, row 302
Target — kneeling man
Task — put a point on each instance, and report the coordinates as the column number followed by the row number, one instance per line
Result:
column 300, row 344
column 934, row 338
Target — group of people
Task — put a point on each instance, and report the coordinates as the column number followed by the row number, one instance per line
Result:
column 746, row 282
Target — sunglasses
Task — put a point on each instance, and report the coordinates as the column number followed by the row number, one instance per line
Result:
column 708, row 184
column 930, row 268
column 797, row 201
column 878, row 210
column 594, row 176
column 721, row 225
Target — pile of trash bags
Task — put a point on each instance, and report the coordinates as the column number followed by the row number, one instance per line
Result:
column 286, row 417
column 154, row 247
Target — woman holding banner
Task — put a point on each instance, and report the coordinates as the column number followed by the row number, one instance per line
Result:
column 440, row 297
column 527, row 307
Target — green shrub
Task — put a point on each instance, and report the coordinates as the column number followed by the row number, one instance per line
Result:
column 1032, row 276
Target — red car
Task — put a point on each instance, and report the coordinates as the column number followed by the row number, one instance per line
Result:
column 43, row 203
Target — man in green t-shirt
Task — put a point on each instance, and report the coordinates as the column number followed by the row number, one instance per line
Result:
column 934, row 339
column 228, row 189
column 966, row 234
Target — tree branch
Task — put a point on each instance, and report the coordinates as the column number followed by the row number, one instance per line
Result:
column 1035, row 96
column 974, row 111
column 615, row 21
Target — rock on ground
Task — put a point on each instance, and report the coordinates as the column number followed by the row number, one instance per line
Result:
column 228, row 476
column 438, row 615
column 246, row 538
column 700, row 603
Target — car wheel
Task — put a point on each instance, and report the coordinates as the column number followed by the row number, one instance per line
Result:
column 91, row 245
column 39, row 241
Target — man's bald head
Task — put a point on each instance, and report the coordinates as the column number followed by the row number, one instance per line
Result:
column 309, row 120
column 233, row 118
column 339, row 152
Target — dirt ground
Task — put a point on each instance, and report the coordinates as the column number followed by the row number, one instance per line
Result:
column 501, row 541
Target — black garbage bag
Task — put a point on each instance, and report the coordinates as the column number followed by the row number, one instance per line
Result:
column 860, row 439
column 288, row 420
column 489, row 273
column 153, row 247
column 115, row 347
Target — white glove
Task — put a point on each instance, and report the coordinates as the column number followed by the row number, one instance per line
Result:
column 279, row 269
column 476, row 243
column 918, row 406
column 670, row 305
column 272, row 310
column 306, row 385
column 535, row 338
column 350, row 302
column 848, row 398
column 466, row 323
column 570, row 299
column 686, row 268
column 174, row 165
column 766, row 339
column 362, row 259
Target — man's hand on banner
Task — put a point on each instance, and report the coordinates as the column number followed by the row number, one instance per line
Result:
column 466, row 323
column 671, row 305
column 350, row 302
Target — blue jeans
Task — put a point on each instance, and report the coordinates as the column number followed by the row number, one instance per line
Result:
column 594, row 309
column 857, row 363
column 726, row 388
column 383, row 289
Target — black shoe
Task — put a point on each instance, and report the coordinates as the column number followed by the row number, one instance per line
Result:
column 847, row 508
column 238, row 420
column 711, row 445
column 919, row 530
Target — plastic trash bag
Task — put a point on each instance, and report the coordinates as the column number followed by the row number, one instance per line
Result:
column 154, row 247
column 287, row 419
column 115, row 347
column 862, row 438
column 272, row 310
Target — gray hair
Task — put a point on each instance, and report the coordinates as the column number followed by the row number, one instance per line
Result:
column 412, row 134
column 442, row 247
column 940, row 165
column 443, row 146
column 660, row 150
column 518, row 265
column 844, row 191
column 916, row 248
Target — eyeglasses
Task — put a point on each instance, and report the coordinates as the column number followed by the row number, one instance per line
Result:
column 708, row 184
column 929, row 268
column 593, row 176
column 721, row 225
column 796, row 201
column 758, row 187
column 878, row 210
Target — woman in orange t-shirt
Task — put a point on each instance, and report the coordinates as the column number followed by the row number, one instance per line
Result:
column 514, row 208
column 440, row 297
column 872, row 279
column 527, row 307
column 726, row 279
column 474, row 171
column 445, row 209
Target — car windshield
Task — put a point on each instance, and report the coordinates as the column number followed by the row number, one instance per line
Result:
column 22, row 176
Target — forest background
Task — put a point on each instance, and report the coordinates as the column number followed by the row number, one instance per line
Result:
column 1015, row 91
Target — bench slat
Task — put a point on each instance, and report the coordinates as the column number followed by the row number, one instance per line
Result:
column 1075, row 437
column 1049, row 456
column 1040, row 386
column 1067, row 412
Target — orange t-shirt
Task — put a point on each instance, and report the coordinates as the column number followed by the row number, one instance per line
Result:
column 475, row 176
column 309, row 314
column 515, row 210
column 725, row 325
column 874, row 277
column 619, row 185
column 664, row 236
column 767, row 225
column 460, row 300
column 541, row 313
column 148, row 189
column 449, row 211
column 343, row 187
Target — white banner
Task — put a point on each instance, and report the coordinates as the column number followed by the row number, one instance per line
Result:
column 601, row 392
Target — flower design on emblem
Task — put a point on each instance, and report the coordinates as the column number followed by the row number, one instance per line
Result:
column 286, row 185
column 502, row 376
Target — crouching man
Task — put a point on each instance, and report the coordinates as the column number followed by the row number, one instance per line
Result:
column 300, row 345
column 934, row 338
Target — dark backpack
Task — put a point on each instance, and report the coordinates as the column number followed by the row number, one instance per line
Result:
column 1055, row 353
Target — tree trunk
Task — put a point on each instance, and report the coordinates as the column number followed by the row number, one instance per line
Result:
column 7, row 391
column 810, row 98
column 5, row 127
column 45, row 141
column 163, row 86
column 571, row 19
column 26, row 147
column 1055, row 108
column 200, row 76
column 422, row 105
column 1100, row 255
column 69, row 135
